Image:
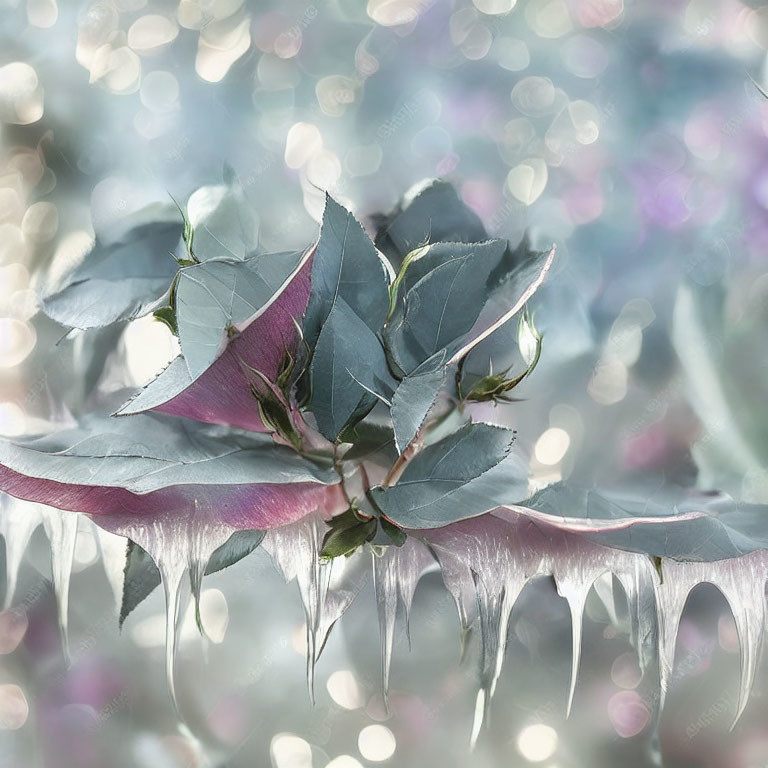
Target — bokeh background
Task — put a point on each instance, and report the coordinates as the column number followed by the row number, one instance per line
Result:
column 632, row 134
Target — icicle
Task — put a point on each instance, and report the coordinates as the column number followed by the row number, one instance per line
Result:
column 606, row 590
column 171, row 575
column 199, row 555
column 483, row 558
column 576, row 594
column 746, row 596
column 295, row 550
column 327, row 589
column 313, row 585
column 465, row 549
column 576, row 565
column 385, row 587
column 180, row 545
column 494, row 610
column 479, row 718
column 18, row 520
column 639, row 587
column 396, row 572
column 61, row 529
column 742, row 582
column 112, row 549
column 495, row 556
column 348, row 575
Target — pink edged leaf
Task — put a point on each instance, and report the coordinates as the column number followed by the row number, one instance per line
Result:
column 222, row 393
column 670, row 522
column 150, row 468
column 524, row 283
column 217, row 298
column 418, row 391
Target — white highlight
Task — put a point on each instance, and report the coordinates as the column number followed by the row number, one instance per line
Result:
column 376, row 743
column 537, row 742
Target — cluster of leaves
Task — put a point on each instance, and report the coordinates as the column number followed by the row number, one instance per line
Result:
column 362, row 360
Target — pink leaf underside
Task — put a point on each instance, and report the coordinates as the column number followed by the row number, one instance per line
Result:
column 245, row 507
column 222, row 394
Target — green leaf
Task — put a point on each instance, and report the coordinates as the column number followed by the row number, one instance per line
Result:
column 141, row 576
column 506, row 300
column 463, row 475
column 347, row 533
column 657, row 564
column 345, row 267
column 411, row 256
column 149, row 452
column 671, row 522
column 513, row 260
column 346, row 364
column 167, row 316
column 395, row 534
column 375, row 442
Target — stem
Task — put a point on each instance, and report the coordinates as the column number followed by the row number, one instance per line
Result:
column 340, row 473
column 364, row 477
column 415, row 446
column 402, row 460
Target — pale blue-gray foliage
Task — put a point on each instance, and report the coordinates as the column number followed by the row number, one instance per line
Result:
column 171, row 381
column 347, row 309
column 722, row 528
column 463, row 475
column 214, row 296
column 371, row 441
column 442, row 301
column 415, row 396
column 120, row 279
column 151, row 451
column 517, row 270
column 224, row 222
column 347, row 365
column 512, row 277
column 436, row 214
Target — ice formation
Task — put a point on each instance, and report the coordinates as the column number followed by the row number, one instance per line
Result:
column 485, row 563
column 180, row 546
